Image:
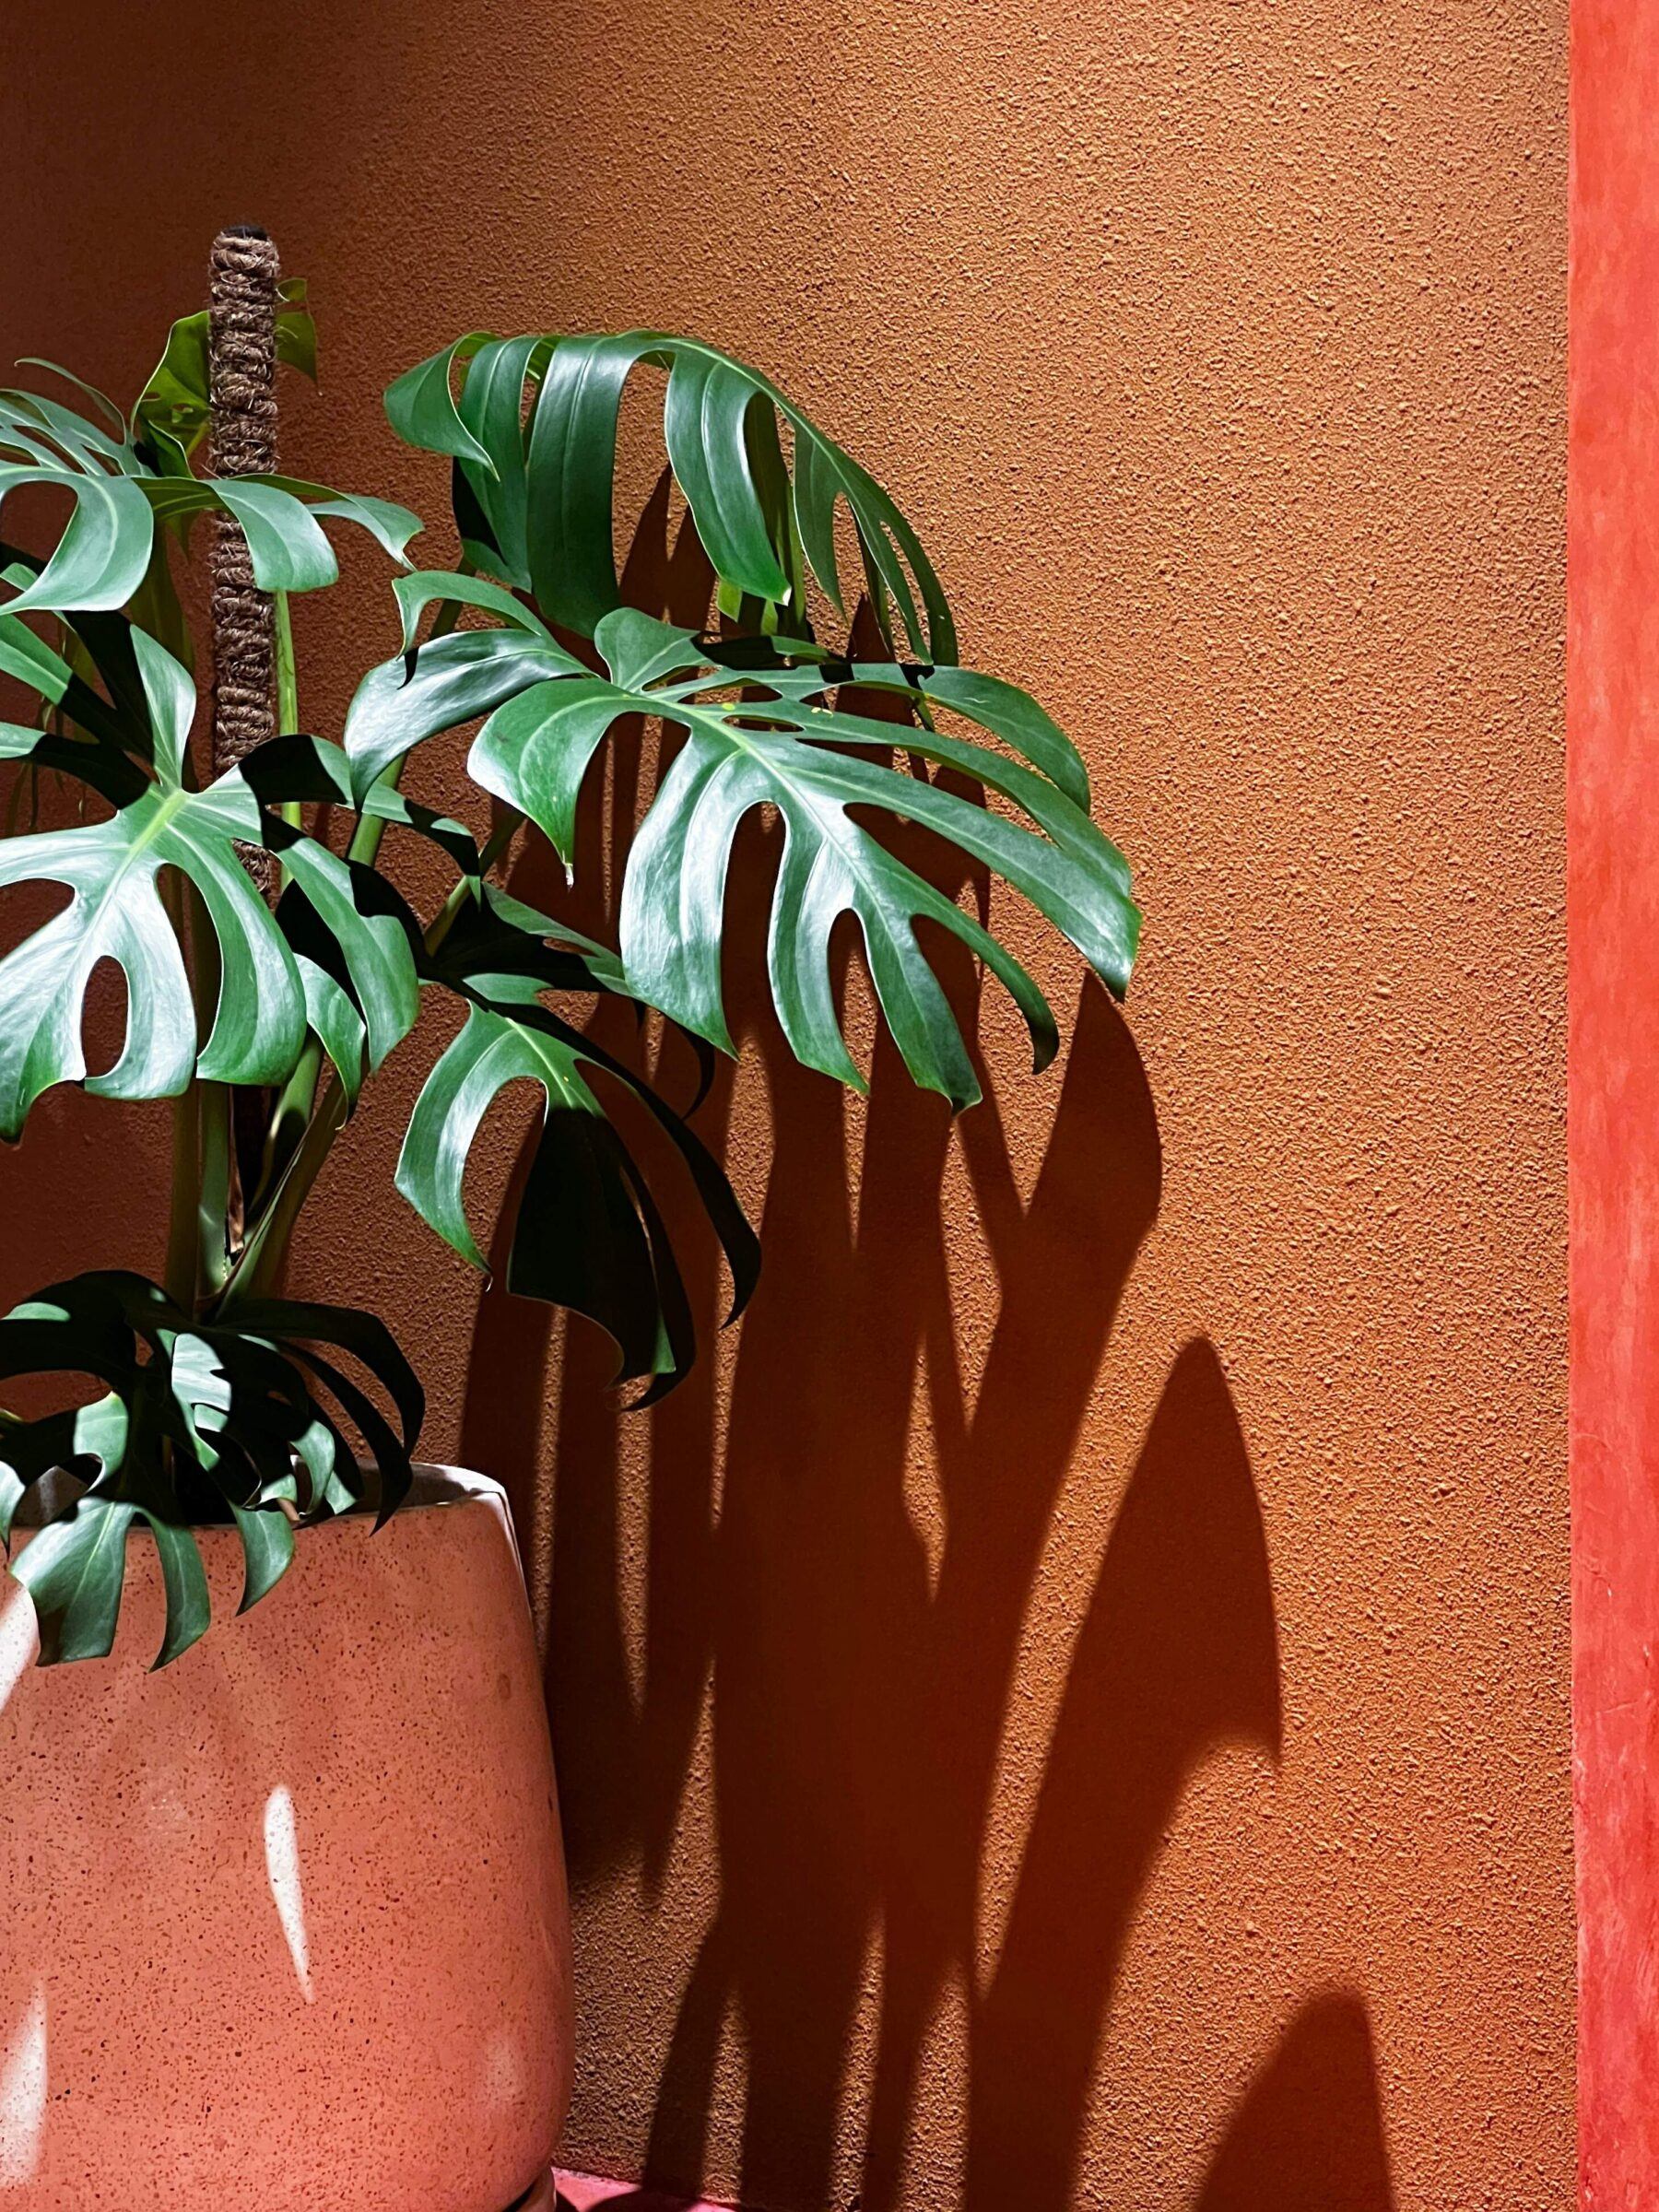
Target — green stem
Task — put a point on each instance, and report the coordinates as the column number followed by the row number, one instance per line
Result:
column 301, row 1133
column 181, row 1273
column 261, row 1255
column 213, row 1199
column 288, row 1117
column 287, row 692
column 214, row 1140
column 499, row 837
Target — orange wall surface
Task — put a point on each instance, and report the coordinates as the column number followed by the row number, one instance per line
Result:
column 1071, row 1707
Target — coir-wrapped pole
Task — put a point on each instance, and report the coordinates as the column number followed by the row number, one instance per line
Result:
column 242, row 442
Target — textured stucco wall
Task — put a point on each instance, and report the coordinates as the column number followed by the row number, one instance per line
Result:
column 1074, row 1710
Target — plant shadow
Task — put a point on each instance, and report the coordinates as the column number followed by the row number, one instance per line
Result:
column 860, row 1646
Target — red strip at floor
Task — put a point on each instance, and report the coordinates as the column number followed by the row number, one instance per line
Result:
column 585, row 2193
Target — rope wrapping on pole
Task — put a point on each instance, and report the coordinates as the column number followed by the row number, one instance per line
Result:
column 243, row 272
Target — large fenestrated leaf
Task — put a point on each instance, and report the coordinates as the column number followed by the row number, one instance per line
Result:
column 286, row 546
column 447, row 681
column 117, row 912
column 35, row 428
column 761, row 730
column 122, row 484
column 100, row 558
column 30, row 661
column 74, row 1569
column 97, row 648
column 531, row 430
column 589, row 1233
column 249, row 1418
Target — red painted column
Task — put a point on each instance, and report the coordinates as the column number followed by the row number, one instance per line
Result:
column 1613, row 929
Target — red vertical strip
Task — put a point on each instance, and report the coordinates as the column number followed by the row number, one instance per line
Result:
column 1613, row 928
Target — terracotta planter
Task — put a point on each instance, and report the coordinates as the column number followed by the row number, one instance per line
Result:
column 284, row 1924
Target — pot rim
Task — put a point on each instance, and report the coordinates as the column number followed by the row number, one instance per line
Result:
column 436, row 1485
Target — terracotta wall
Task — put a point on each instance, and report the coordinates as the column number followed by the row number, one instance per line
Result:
column 1073, row 1709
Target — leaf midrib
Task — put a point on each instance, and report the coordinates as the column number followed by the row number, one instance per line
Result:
column 850, row 845
column 167, row 809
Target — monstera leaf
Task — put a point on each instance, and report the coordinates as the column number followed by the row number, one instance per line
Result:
column 451, row 679
column 117, row 912
column 250, row 1421
column 760, row 730
column 589, row 1233
column 104, row 641
column 533, row 433
column 104, row 555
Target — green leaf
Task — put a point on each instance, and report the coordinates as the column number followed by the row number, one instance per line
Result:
column 538, row 746
column 277, row 514
column 116, row 913
column 499, row 378
column 337, row 1023
column 761, row 731
column 415, row 594
column 184, row 1580
column 112, row 870
column 101, row 558
column 73, row 1569
column 588, row 1234
column 267, row 1538
column 109, row 555
column 497, row 935
column 247, row 1400
column 100, row 400
column 368, row 928
column 296, row 328
column 29, row 660
column 704, row 427
column 175, row 399
column 39, row 429
column 169, row 697
column 12, row 1486
column 421, row 406
column 296, row 766
column 490, row 1052
column 539, row 477
column 453, row 679
column 390, row 525
column 285, row 543
column 345, row 1328
column 808, row 761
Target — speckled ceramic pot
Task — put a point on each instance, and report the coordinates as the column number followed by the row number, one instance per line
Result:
column 285, row 1925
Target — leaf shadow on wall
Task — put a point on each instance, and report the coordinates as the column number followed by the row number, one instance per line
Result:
column 860, row 1686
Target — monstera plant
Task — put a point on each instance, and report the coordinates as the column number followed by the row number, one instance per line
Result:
column 273, row 964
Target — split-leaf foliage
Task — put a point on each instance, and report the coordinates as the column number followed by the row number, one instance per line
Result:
column 210, row 1397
